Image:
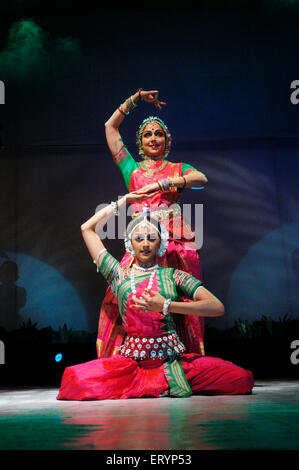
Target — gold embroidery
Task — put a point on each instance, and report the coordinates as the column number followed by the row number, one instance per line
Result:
column 149, row 172
column 179, row 386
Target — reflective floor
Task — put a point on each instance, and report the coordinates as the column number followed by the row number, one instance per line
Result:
column 268, row 419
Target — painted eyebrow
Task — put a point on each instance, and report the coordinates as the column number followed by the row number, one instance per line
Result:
column 156, row 130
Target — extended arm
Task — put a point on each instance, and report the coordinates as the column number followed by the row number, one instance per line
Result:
column 195, row 179
column 205, row 304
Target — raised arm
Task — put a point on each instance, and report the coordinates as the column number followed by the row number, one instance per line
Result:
column 113, row 136
column 92, row 240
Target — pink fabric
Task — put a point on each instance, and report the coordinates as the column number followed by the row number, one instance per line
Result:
column 120, row 377
column 138, row 180
column 141, row 323
column 182, row 253
column 190, row 328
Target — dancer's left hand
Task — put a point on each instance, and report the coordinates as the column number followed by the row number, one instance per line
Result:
column 149, row 189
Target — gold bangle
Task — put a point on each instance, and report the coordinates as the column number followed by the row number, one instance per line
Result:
column 121, row 109
column 133, row 102
column 160, row 185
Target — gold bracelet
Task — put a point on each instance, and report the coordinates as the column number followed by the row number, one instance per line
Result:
column 160, row 185
column 130, row 104
column 133, row 102
column 121, row 109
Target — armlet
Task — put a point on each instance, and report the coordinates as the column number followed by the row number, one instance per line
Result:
column 120, row 155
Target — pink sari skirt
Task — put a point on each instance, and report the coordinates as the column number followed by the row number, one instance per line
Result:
column 120, row 377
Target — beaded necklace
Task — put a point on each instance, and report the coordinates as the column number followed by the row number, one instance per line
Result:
column 154, row 269
column 145, row 269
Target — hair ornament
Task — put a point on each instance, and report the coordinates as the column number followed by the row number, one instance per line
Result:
column 145, row 219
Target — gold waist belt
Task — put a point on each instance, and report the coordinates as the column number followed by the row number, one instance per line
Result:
column 162, row 214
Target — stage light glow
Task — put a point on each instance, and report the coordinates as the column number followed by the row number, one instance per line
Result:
column 58, row 357
column 200, row 187
column 46, row 291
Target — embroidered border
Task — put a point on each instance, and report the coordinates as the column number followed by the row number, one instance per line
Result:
column 187, row 283
column 178, row 384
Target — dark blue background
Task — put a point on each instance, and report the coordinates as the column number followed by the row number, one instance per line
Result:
column 225, row 70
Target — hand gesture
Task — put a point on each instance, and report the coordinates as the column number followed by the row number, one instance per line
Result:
column 149, row 301
column 152, row 97
column 136, row 196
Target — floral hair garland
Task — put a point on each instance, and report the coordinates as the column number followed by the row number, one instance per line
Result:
column 168, row 138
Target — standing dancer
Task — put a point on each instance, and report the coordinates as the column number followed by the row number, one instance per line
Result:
column 164, row 181
column 153, row 361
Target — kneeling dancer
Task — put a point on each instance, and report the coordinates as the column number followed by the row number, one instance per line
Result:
column 153, row 360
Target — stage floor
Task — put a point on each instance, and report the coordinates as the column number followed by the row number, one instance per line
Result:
column 32, row 419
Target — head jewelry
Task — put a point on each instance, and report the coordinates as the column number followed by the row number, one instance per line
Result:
column 146, row 219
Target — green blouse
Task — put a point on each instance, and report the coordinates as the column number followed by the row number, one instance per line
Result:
column 172, row 283
column 126, row 164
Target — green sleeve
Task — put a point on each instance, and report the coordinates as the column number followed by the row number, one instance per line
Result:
column 109, row 267
column 186, row 166
column 186, row 284
column 126, row 164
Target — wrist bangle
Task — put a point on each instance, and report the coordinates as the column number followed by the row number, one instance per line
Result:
column 114, row 207
column 139, row 94
column 133, row 102
column 185, row 182
column 130, row 104
column 165, row 184
column 120, row 109
column 166, row 306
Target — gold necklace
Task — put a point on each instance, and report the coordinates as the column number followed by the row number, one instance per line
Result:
column 150, row 171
